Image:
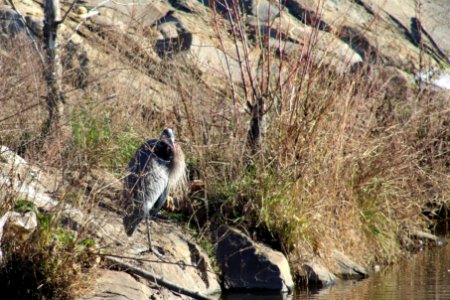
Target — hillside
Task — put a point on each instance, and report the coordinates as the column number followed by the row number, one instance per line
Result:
column 314, row 127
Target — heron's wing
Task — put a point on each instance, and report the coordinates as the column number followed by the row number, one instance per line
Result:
column 160, row 202
column 135, row 186
column 139, row 165
column 141, row 159
column 154, row 184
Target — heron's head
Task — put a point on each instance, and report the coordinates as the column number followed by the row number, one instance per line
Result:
column 168, row 136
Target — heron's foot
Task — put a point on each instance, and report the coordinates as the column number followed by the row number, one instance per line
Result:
column 158, row 251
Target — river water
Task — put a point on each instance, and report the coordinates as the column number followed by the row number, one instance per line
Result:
column 426, row 275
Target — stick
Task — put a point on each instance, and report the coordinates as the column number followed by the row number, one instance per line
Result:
column 159, row 280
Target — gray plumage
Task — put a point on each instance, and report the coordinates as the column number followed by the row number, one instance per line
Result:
column 156, row 166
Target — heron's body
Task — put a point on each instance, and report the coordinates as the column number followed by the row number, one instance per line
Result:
column 156, row 166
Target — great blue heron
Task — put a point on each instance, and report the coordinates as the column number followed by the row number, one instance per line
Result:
column 157, row 167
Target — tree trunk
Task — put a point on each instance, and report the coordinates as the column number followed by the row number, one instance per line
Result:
column 53, row 68
column 257, row 126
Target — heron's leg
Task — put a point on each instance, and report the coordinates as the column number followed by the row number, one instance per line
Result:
column 155, row 251
column 147, row 221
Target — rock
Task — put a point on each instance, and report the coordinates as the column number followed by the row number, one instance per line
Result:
column 10, row 157
column 174, row 37
column 431, row 28
column 318, row 275
column 264, row 11
column 250, row 266
column 132, row 12
column 117, row 286
column 11, row 23
column 22, row 181
column 386, row 30
column 21, row 224
column 304, row 12
column 346, row 268
column 428, row 238
column 16, row 227
column 181, row 255
column 210, row 59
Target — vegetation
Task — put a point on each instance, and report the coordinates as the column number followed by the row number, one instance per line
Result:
column 53, row 261
column 342, row 163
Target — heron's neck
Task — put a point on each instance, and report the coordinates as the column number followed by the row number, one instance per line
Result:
column 177, row 170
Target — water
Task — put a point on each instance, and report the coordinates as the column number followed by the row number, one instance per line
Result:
column 426, row 275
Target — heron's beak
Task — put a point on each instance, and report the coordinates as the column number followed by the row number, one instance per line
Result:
column 169, row 140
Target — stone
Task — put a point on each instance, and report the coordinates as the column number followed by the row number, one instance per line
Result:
column 181, row 254
column 348, row 269
column 212, row 60
column 264, row 10
column 26, row 222
column 11, row 23
column 318, row 275
column 174, row 38
column 117, row 286
column 17, row 227
column 23, row 181
column 143, row 12
column 387, row 31
column 247, row 265
column 10, row 157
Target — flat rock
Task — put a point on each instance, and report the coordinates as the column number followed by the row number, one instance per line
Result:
column 318, row 275
column 183, row 264
column 117, row 285
column 247, row 265
column 348, row 269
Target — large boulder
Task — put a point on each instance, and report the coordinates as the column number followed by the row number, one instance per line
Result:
column 183, row 264
column 247, row 265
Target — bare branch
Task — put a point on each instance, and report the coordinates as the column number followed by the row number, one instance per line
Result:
column 68, row 11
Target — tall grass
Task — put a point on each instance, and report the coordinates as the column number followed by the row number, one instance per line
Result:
column 342, row 162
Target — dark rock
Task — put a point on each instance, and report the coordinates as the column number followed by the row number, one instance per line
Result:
column 247, row 265
column 306, row 15
column 175, row 38
column 11, row 23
